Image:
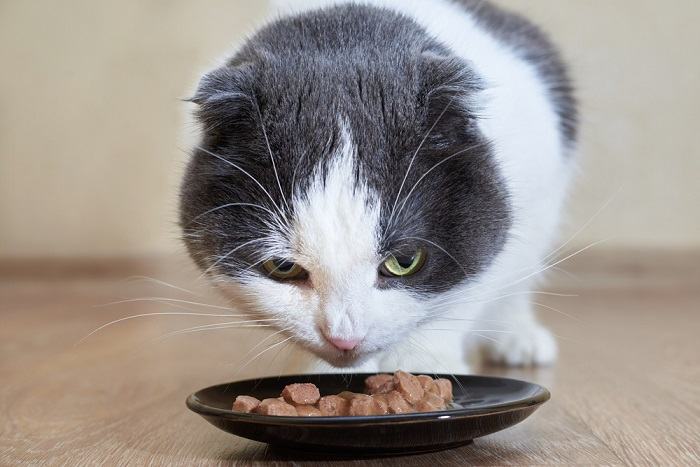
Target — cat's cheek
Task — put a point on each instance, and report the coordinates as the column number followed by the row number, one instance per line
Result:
column 262, row 296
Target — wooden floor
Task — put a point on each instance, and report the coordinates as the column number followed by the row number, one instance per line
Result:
column 625, row 391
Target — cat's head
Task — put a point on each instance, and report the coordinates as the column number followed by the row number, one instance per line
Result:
column 341, row 182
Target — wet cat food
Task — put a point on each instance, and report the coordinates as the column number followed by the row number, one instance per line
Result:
column 333, row 406
column 303, row 393
column 380, row 384
column 384, row 394
column 275, row 407
column 245, row 404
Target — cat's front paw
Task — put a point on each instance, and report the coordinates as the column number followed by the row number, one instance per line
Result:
column 528, row 346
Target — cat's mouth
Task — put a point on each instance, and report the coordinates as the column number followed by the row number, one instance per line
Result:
column 341, row 358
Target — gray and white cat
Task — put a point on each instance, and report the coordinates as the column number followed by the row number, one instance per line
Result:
column 383, row 180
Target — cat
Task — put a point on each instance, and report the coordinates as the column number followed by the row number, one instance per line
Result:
column 383, row 180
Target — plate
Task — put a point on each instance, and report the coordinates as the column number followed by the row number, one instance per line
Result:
column 482, row 405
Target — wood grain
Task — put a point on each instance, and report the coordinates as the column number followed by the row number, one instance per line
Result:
column 625, row 390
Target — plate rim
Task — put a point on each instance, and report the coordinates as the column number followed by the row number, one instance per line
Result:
column 541, row 396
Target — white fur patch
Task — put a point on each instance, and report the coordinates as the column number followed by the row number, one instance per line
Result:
column 336, row 228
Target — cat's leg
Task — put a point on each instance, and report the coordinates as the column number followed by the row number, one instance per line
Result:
column 516, row 338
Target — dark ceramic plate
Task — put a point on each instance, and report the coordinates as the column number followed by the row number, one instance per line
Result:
column 482, row 405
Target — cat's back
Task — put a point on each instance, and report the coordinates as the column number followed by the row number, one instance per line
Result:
column 531, row 44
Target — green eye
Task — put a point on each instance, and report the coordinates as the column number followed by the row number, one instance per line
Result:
column 403, row 266
column 281, row 269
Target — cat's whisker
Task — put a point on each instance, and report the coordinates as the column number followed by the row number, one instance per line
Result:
column 259, row 344
column 584, row 226
column 506, row 275
column 538, row 271
column 423, row 320
column 259, row 354
column 478, row 332
column 223, row 258
column 161, row 282
column 439, row 364
column 248, row 267
column 551, row 308
column 245, row 172
column 294, row 174
column 438, row 164
column 498, row 331
column 285, row 364
column 280, row 350
column 215, row 327
column 471, row 300
column 488, row 338
column 566, row 258
column 230, row 205
column 178, row 306
column 246, row 321
column 269, row 150
column 566, row 273
column 481, row 285
column 468, row 320
column 143, row 315
column 257, row 263
column 524, row 292
column 410, row 164
column 424, row 356
column 164, row 300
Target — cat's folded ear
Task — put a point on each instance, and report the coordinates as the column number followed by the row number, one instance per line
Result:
column 449, row 86
column 225, row 100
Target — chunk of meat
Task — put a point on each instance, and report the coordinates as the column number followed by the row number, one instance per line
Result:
column 409, row 386
column 275, row 407
column 428, row 384
column 245, row 404
column 333, row 406
column 379, row 384
column 381, row 403
column 347, row 395
column 425, row 406
column 397, row 404
column 362, row 404
column 431, row 402
column 308, row 411
column 435, row 400
column 301, row 394
column 445, row 388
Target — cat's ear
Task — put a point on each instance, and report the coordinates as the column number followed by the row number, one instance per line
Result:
column 449, row 88
column 225, row 100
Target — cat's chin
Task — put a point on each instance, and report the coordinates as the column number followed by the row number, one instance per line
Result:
column 342, row 359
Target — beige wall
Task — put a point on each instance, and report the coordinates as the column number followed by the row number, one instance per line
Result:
column 90, row 122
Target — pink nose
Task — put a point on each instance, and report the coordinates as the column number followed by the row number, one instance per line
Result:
column 344, row 344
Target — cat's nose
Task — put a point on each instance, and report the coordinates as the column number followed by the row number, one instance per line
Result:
column 343, row 344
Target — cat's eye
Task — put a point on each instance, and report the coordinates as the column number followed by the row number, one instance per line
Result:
column 282, row 269
column 402, row 266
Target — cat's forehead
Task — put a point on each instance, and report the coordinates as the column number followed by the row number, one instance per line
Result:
column 336, row 223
